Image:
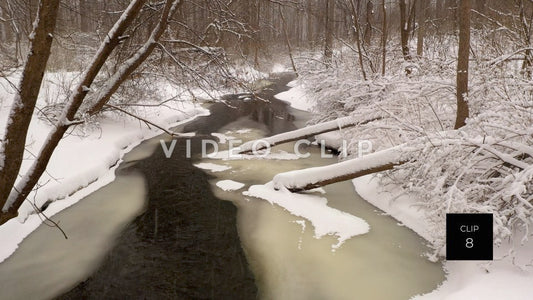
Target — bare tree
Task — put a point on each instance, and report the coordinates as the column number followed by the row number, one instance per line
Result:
column 286, row 36
column 13, row 143
column 383, row 37
column 404, row 30
column 422, row 12
column 328, row 47
column 13, row 197
column 462, row 63
column 357, row 31
column 367, row 37
column 526, row 24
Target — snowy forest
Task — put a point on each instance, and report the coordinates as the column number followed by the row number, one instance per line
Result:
column 441, row 90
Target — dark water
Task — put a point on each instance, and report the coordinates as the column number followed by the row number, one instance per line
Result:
column 185, row 245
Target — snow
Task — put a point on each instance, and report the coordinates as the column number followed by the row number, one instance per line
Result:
column 325, row 220
column 212, row 167
column 507, row 277
column 278, row 68
column 230, row 185
column 296, row 97
column 301, row 178
column 299, row 133
column 84, row 161
column 402, row 207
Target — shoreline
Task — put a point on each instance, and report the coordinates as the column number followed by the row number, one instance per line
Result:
column 508, row 276
column 14, row 231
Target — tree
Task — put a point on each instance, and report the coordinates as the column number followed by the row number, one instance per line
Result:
column 11, row 198
column 422, row 11
column 328, row 47
column 383, row 37
column 287, row 40
column 14, row 140
column 367, row 37
column 462, row 63
column 357, row 31
column 404, row 30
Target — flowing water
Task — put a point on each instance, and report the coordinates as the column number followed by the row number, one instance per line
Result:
column 290, row 263
column 161, row 230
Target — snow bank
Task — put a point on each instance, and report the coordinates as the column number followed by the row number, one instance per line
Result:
column 85, row 160
column 509, row 276
column 402, row 207
column 229, row 185
column 326, row 220
column 296, row 97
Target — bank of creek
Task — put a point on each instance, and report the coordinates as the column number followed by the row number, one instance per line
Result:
column 164, row 230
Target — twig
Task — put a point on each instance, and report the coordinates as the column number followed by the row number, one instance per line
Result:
column 148, row 123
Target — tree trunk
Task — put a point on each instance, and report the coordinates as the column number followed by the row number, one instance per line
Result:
column 105, row 94
column 404, row 30
column 310, row 178
column 328, row 47
column 462, row 63
column 526, row 31
column 287, row 40
column 357, row 30
column 24, row 187
column 383, row 38
column 302, row 133
column 367, row 37
column 127, row 68
column 23, row 106
column 84, row 16
column 422, row 11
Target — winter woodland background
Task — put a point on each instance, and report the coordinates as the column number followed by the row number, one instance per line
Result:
column 391, row 65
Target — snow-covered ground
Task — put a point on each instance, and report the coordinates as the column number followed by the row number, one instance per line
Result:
column 509, row 276
column 504, row 278
column 296, row 97
column 84, row 160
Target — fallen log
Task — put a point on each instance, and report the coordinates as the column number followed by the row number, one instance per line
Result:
column 302, row 133
column 306, row 179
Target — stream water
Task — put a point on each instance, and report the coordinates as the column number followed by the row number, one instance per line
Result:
column 163, row 230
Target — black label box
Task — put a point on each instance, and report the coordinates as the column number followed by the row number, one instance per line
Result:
column 469, row 237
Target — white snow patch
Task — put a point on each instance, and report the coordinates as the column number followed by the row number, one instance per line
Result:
column 402, row 208
column 278, row 68
column 293, row 83
column 509, row 276
column 326, row 220
column 230, row 185
column 212, row 167
column 297, row 98
column 243, row 131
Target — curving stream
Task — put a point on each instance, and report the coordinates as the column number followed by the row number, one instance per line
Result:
column 162, row 231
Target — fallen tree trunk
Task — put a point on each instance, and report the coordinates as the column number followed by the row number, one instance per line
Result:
column 306, row 179
column 302, row 133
